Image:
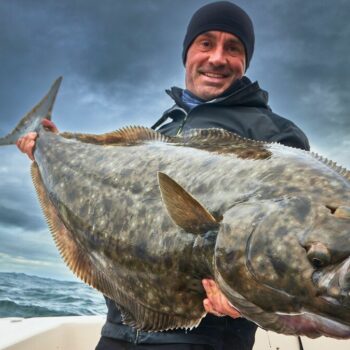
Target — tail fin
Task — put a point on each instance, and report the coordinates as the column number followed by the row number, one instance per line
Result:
column 32, row 120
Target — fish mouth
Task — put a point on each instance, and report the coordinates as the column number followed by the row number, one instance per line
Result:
column 313, row 326
column 303, row 322
column 329, row 294
column 334, row 285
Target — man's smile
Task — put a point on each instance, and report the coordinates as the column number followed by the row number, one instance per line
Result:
column 215, row 75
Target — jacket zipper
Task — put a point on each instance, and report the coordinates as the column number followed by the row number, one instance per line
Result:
column 181, row 126
column 179, row 131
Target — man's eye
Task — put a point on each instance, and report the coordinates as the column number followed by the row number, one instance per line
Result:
column 234, row 49
column 205, row 44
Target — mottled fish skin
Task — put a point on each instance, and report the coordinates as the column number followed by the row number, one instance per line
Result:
column 273, row 224
column 273, row 207
column 113, row 204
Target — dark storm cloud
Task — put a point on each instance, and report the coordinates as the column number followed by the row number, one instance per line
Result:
column 118, row 56
column 34, row 244
column 18, row 218
column 302, row 59
column 19, row 207
column 114, row 50
column 111, row 43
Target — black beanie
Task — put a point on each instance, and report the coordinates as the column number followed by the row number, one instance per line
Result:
column 222, row 16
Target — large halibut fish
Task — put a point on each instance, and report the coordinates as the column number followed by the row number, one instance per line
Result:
column 144, row 218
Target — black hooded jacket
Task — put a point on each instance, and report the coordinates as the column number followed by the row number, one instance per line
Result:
column 243, row 109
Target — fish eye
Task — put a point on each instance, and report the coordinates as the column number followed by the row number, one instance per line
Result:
column 317, row 263
column 318, row 255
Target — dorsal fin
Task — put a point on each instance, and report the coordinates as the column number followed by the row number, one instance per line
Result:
column 212, row 140
column 225, row 142
column 126, row 135
column 333, row 165
column 218, row 135
column 183, row 208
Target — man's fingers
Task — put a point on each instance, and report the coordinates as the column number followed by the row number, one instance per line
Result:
column 234, row 313
column 210, row 304
column 21, row 144
column 213, row 293
column 28, row 137
column 32, row 135
column 26, row 144
column 30, row 147
column 208, row 287
column 209, row 308
column 216, row 302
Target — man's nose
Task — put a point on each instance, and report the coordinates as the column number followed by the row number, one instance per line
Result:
column 217, row 56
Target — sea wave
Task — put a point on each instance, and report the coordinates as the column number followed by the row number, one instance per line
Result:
column 23, row 295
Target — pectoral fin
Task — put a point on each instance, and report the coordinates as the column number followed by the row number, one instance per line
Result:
column 183, row 208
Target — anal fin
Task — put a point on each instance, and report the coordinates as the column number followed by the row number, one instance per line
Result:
column 144, row 318
column 74, row 255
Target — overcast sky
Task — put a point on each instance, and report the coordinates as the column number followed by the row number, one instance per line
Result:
column 117, row 57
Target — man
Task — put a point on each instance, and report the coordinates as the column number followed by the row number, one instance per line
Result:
column 217, row 50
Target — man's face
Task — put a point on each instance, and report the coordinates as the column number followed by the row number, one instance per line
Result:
column 214, row 61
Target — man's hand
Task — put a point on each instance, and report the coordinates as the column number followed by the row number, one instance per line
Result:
column 216, row 303
column 26, row 144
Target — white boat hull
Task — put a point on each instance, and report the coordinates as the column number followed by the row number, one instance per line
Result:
column 83, row 332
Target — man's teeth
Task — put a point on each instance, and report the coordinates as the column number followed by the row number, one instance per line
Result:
column 214, row 75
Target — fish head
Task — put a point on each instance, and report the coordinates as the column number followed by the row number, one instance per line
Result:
column 285, row 264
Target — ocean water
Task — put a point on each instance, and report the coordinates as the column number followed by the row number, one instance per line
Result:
column 23, row 295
